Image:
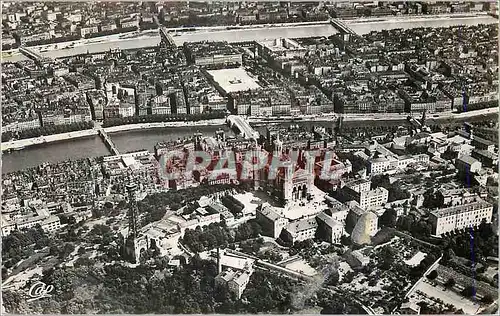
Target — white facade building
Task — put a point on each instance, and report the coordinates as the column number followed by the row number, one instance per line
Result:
column 271, row 221
column 460, row 217
column 378, row 165
column 301, row 230
column 361, row 185
column 49, row 223
column 373, row 198
column 330, row 229
column 466, row 164
column 238, row 283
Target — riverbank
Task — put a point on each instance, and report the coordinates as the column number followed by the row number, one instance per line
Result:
column 84, row 41
column 250, row 26
column 147, row 38
column 131, row 127
column 414, row 18
column 23, row 143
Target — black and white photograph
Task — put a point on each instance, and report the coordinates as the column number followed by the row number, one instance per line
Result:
column 249, row 157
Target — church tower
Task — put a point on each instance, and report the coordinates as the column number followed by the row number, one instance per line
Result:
column 310, row 164
column 288, row 181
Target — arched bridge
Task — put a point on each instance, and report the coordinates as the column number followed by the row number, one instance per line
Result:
column 244, row 128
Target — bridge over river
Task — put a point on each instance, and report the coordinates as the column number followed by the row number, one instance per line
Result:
column 107, row 140
column 242, row 126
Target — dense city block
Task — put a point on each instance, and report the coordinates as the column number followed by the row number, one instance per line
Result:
column 341, row 174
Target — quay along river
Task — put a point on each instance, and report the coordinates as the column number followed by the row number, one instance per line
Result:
column 134, row 140
column 93, row 146
column 262, row 33
column 126, row 141
column 146, row 139
column 364, row 27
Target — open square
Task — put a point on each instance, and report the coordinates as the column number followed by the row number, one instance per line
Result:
column 233, row 80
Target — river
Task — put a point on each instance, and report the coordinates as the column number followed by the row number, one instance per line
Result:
column 394, row 23
column 135, row 140
column 126, row 141
column 54, row 152
column 242, row 35
column 263, row 33
column 94, row 147
column 146, row 139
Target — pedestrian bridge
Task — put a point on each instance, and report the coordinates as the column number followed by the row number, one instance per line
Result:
column 107, row 140
column 244, row 128
column 166, row 37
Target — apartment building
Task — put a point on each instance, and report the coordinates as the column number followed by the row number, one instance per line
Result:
column 360, row 185
column 271, row 221
column 467, row 165
column 461, row 216
column 238, row 283
column 301, row 230
column 235, row 281
column 378, row 165
column 329, row 229
column 373, row 198
column 234, row 272
column 49, row 223
column 212, row 53
column 367, row 199
column 483, row 144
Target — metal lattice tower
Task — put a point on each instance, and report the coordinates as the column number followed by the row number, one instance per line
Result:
column 132, row 210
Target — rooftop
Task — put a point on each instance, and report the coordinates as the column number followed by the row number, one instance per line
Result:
column 461, row 209
column 302, row 225
column 328, row 220
column 466, row 159
column 269, row 212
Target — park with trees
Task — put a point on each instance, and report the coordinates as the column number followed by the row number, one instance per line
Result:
column 20, row 245
column 158, row 118
column 46, row 130
column 154, row 206
column 188, row 289
column 217, row 235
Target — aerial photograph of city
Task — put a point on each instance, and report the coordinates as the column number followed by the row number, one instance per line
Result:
column 249, row 157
